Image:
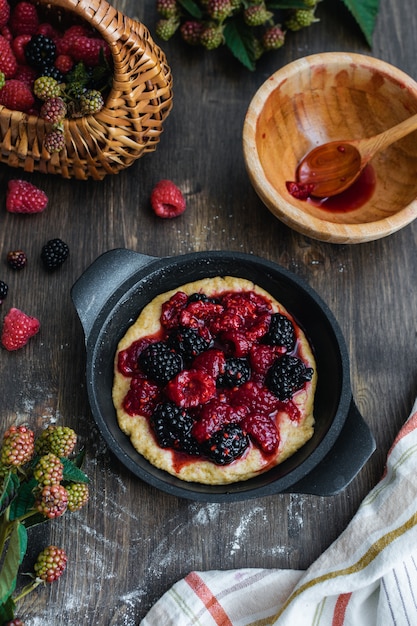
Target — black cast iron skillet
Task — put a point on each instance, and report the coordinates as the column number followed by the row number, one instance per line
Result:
column 110, row 295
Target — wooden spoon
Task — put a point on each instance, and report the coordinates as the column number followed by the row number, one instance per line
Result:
column 332, row 167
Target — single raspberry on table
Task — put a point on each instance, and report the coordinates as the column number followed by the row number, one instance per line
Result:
column 8, row 61
column 24, row 197
column 50, row 564
column 24, row 19
column 16, row 259
column 18, row 446
column 78, row 495
column 4, row 12
column 167, row 200
column 18, row 328
column 17, row 96
column 52, row 501
column 49, row 470
column 60, row 440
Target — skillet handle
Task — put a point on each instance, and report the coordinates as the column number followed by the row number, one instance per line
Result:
column 353, row 448
column 101, row 279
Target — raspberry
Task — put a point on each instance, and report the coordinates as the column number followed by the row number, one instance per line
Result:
column 18, row 46
column 188, row 342
column 24, row 197
column 273, row 38
column 64, row 44
column 227, row 444
column 89, row 50
column 54, row 141
column 281, row 332
column 167, row 200
column 40, row 51
column 237, row 372
column 18, row 446
column 167, row 8
column 46, row 87
column 53, row 110
column 166, row 28
column 171, row 310
column 172, row 427
column 54, row 253
column 52, row 501
column 16, row 259
column 160, row 362
column 78, row 495
column 49, row 470
column 211, row 37
column 190, row 32
column 190, row 388
column 18, row 328
column 128, row 359
column 17, row 96
column 8, row 62
column 50, row 564
column 91, row 102
column 26, row 74
column 286, row 376
column 4, row 288
column 24, row 19
column 261, row 358
column 200, row 313
column 4, row 13
column 64, row 63
column 219, row 10
column 237, row 342
column 214, row 416
column 211, row 361
column 48, row 30
column 257, row 14
column 142, row 397
column 263, row 431
column 256, row 398
column 60, row 440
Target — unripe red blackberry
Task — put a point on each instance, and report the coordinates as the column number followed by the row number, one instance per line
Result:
column 52, row 501
column 191, row 31
column 50, row 564
column 301, row 18
column 16, row 259
column 166, row 28
column 167, row 8
column 257, row 14
column 77, row 496
column 46, row 87
column 49, row 470
column 60, row 440
column 211, row 37
column 54, row 141
column 53, row 110
column 219, row 10
column 18, row 446
column 273, row 38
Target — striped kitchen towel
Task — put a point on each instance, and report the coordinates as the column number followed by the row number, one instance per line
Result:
column 367, row 577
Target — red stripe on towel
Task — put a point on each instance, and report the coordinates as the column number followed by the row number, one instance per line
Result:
column 340, row 609
column 208, row 599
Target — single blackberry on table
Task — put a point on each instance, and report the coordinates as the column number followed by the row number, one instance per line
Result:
column 40, row 51
column 160, row 362
column 16, row 259
column 227, row 444
column 281, row 332
column 237, row 372
column 286, row 376
column 188, row 342
column 54, row 253
column 4, row 288
column 172, row 427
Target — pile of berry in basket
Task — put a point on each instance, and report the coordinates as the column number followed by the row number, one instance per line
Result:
column 51, row 66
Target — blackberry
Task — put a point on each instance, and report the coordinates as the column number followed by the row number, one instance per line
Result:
column 3, row 290
column 188, row 342
column 286, row 376
column 49, row 70
column 50, row 564
column 201, row 297
column 160, row 362
column 54, row 253
column 40, row 51
column 227, row 444
column 172, row 427
column 281, row 332
column 237, row 372
column 16, row 259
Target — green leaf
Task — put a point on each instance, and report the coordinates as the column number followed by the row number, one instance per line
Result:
column 24, row 501
column 239, row 39
column 7, row 610
column 365, row 13
column 73, row 473
column 9, row 492
column 192, row 8
column 16, row 549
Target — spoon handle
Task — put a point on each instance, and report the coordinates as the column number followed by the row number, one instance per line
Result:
column 368, row 147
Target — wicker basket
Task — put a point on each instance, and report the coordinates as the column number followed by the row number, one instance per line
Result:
column 128, row 126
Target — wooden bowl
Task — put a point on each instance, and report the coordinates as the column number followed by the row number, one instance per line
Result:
column 326, row 97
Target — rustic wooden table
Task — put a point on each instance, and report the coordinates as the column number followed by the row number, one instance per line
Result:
column 132, row 542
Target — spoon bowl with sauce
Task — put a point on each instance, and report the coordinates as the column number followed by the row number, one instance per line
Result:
column 321, row 100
